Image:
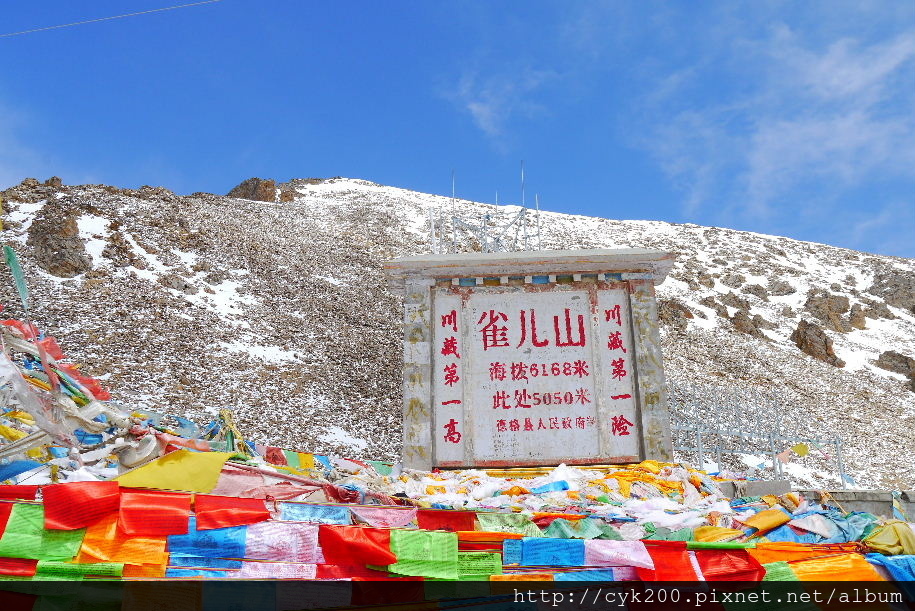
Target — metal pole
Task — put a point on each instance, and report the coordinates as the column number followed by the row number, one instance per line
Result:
column 537, row 200
column 775, row 462
column 453, row 228
column 699, row 449
column 841, row 466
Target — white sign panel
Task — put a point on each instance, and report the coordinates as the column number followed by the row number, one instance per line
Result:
column 532, row 376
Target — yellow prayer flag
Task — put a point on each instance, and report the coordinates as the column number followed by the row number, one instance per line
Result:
column 801, row 449
column 306, row 461
column 180, row 470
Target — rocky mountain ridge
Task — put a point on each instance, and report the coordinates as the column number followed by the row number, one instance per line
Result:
column 272, row 302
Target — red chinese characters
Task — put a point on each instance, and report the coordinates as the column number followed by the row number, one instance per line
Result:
column 568, row 330
column 619, row 369
column 615, row 341
column 450, row 348
column 527, row 425
column 569, row 334
column 452, row 435
column 451, row 375
column 524, row 399
column 614, row 314
column 619, row 425
column 539, row 343
column 516, row 371
column 495, row 335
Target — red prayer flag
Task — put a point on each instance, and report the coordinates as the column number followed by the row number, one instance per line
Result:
column 49, row 344
column 729, row 565
column 437, row 519
column 671, row 562
column 154, row 513
column 18, row 491
column 77, row 505
column 224, row 511
column 356, row 545
column 275, row 456
column 19, row 567
column 5, row 510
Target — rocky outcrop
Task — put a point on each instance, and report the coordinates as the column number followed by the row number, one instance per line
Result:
column 733, row 280
column 897, row 288
column 780, row 288
column 56, row 245
column 896, row 362
column 744, row 324
column 174, row 281
column 719, row 308
column 829, row 309
column 812, row 340
column 733, row 300
column 856, row 317
column 121, row 253
column 257, row 189
column 30, row 190
column 261, row 190
column 877, row 309
column 756, row 289
column 673, row 313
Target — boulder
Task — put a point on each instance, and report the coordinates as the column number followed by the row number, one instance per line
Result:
column 733, row 280
column 856, row 317
column 56, row 245
column 896, row 287
column 780, row 288
column 174, row 281
column 673, row 313
column 735, row 301
column 756, row 289
column 828, row 309
column 710, row 302
column 744, row 324
column 257, row 189
column 812, row 340
column 896, row 362
column 706, row 280
column 121, row 253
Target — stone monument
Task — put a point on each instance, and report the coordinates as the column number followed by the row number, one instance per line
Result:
column 532, row 358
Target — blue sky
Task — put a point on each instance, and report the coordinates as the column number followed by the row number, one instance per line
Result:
column 791, row 118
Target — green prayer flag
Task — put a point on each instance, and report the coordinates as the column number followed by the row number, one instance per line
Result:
column 478, row 566
column 719, row 545
column 422, row 553
column 585, row 528
column 64, row 570
column 517, row 523
column 381, row 468
column 25, row 536
column 18, row 276
column 292, row 459
column 609, row 532
column 779, row 571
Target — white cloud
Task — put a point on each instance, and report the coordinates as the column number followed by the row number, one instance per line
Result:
column 493, row 100
column 790, row 117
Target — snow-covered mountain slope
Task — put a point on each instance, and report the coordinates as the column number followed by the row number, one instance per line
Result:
column 281, row 312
